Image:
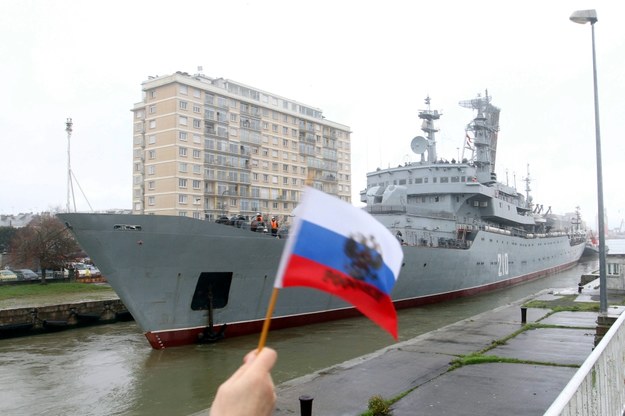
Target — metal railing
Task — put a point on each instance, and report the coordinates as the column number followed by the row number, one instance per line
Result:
column 597, row 388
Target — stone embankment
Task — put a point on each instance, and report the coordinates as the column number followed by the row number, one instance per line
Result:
column 20, row 317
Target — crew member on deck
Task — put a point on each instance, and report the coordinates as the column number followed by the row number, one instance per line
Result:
column 274, row 226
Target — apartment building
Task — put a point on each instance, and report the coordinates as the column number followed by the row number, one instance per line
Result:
column 209, row 147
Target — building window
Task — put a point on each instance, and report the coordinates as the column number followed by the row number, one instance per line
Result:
column 182, row 199
column 151, row 185
column 183, row 105
column 182, row 167
column 182, row 151
column 196, row 184
column 197, row 139
column 182, row 135
column 152, row 109
column 183, row 89
column 151, row 170
column 197, row 93
column 182, row 120
column 196, row 108
column 153, row 94
column 151, row 139
column 197, row 123
column 196, row 153
column 152, row 154
column 182, row 183
column 152, row 124
column 151, row 200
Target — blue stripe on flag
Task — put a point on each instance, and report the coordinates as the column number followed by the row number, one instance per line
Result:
column 327, row 247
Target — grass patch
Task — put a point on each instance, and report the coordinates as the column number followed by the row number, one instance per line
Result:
column 477, row 358
column 50, row 289
column 564, row 303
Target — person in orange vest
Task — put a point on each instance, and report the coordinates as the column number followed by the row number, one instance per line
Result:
column 274, row 226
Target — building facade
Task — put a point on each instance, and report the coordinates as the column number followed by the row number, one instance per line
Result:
column 209, row 147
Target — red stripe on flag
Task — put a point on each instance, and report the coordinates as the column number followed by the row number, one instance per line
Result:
column 370, row 301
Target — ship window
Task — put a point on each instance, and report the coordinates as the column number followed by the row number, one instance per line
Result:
column 445, row 179
column 455, row 179
column 434, row 180
column 215, row 285
column 402, row 181
column 418, row 180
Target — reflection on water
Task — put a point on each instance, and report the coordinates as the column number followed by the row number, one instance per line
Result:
column 111, row 369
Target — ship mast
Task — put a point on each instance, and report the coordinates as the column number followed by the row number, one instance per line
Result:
column 428, row 116
column 485, row 127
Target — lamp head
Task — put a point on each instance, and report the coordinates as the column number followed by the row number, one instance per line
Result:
column 584, row 16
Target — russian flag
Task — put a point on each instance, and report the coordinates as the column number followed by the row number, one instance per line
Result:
column 340, row 249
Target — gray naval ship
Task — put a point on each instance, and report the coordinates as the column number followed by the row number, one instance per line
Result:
column 462, row 232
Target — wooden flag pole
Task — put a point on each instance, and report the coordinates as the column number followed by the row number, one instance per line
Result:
column 265, row 331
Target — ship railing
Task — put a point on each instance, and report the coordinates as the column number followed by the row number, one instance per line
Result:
column 453, row 243
column 597, row 387
column 385, row 209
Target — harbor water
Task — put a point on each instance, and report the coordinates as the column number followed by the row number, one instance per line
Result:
column 111, row 369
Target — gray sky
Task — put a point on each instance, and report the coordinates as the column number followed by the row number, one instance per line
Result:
column 366, row 64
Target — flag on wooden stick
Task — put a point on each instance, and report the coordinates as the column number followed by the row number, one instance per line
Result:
column 340, row 249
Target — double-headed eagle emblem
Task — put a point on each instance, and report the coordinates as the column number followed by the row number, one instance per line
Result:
column 364, row 253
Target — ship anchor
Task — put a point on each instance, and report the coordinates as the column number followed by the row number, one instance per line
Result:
column 209, row 335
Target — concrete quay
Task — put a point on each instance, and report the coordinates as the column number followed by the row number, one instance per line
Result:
column 536, row 361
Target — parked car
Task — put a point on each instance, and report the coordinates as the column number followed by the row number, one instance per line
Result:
column 7, row 275
column 222, row 220
column 95, row 272
column 239, row 221
column 25, row 274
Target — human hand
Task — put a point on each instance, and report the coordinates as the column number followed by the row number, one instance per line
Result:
column 250, row 390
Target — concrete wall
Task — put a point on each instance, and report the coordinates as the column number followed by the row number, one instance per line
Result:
column 597, row 388
column 65, row 315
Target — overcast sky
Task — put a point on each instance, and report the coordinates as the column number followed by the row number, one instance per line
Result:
column 368, row 65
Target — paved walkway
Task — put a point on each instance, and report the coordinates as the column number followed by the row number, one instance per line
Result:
column 421, row 367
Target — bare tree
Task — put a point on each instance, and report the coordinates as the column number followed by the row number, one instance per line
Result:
column 45, row 242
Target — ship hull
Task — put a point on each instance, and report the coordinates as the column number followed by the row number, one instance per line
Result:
column 161, row 267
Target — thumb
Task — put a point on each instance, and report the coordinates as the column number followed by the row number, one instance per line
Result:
column 263, row 360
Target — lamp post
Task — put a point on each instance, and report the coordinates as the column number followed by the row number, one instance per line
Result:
column 70, row 187
column 583, row 17
column 223, row 208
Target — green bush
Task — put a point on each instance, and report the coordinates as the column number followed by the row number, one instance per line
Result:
column 379, row 407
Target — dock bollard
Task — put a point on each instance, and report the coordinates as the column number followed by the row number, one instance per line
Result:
column 523, row 314
column 580, row 286
column 305, row 405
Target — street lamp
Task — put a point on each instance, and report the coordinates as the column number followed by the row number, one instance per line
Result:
column 583, row 17
column 223, row 205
